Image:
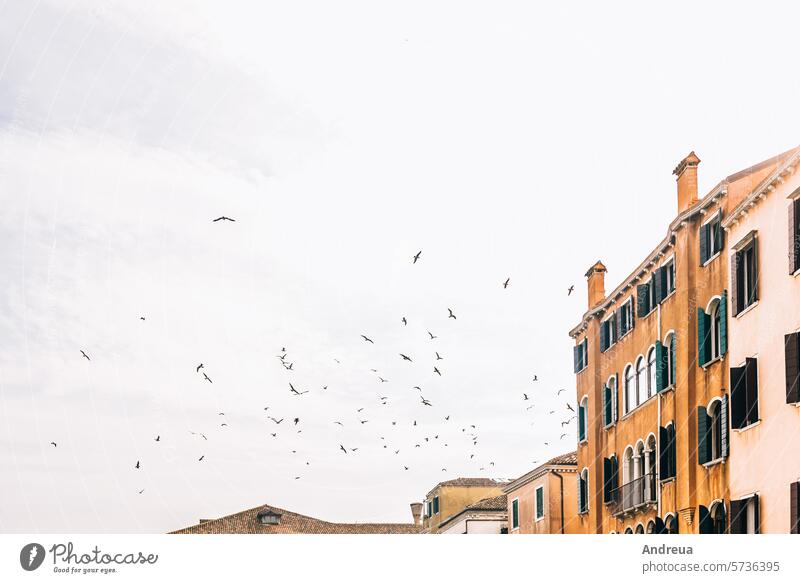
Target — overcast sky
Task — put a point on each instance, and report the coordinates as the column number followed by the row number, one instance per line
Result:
column 501, row 139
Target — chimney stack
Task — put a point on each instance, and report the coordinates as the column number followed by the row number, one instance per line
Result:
column 596, row 277
column 686, row 172
column 416, row 512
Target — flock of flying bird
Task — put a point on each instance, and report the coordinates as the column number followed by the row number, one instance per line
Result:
column 469, row 432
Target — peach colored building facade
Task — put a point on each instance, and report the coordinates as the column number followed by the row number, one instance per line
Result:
column 764, row 466
column 652, row 374
column 544, row 501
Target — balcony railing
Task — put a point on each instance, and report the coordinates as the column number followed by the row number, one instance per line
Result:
column 636, row 493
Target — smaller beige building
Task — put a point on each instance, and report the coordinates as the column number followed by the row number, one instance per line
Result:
column 487, row 516
column 449, row 498
column 545, row 500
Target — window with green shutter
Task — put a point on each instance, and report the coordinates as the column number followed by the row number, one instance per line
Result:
column 436, row 505
column 515, row 513
column 703, row 436
column 539, row 502
column 607, row 419
column 792, row 364
column 723, row 323
column 581, row 422
column 703, row 337
column 744, row 394
column 661, row 367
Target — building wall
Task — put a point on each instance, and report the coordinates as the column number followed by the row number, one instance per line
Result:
column 476, row 524
column 695, row 286
column 763, row 459
column 551, row 522
column 453, row 499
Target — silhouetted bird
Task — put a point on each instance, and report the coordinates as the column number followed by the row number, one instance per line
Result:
column 570, row 289
column 570, row 407
column 199, row 366
column 205, row 376
column 404, row 321
column 416, row 257
column 86, row 356
column 436, row 370
column 438, row 357
column 223, row 219
column 367, row 339
column 506, row 282
column 201, row 458
column 54, row 444
column 405, row 357
column 137, row 466
column 431, row 335
column 452, row 315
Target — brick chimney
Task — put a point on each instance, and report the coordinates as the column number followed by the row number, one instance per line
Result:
column 416, row 512
column 596, row 277
column 686, row 172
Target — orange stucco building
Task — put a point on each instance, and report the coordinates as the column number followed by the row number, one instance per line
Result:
column 652, row 373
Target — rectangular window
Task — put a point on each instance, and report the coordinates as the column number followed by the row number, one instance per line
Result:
column 539, row 502
column 744, row 267
column 643, row 302
column 608, row 332
column 744, row 394
column 436, row 505
column 515, row 513
column 794, row 508
column 669, row 277
column 712, row 238
column 624, row 318
column 580, row 355
column 583, row 505
column 745, row 516
column 666, row 451
column 792, row 360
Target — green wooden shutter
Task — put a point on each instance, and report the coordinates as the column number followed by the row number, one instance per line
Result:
column 703, row 332
column 515, row 514
column 658, row 283
column 607, row 419
column 736, row 276
column 792, row 360
column 672, row 360
column 581, row 421
column 661, row 368
column 704, row 254
column 615, row 398
column 642, row 300
column 607, row 480
column 723, row 419
column 539, row 502
column 604, row 336
column 703, row 446
column 663, row 453
column 738, row 524
column 706, row 526
column 575, row 359
column 660, row 528
column 580, row 494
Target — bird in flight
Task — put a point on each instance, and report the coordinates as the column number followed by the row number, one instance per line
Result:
column 158, row 438
column 277, row 421
column 452, row 315
column 223, row 424
column 199, row 366
column 201, row 458
column 436, row 370
column 366, row 339
column 431, row 335
column 438, row 357
column 138, row 465
column 416, row 257
column 570, row 407
column 141, row 491
column 535, row 378
column 383, row 380
column 342, row 448
column 524, row 396
column 560, row 391
column 54, row 444
column 563, row 435
column 506, row 282
column 426, row 402
column 141, row 318
column 405, row 357
column 223, row 218
column 205, row 376
column 296, row 420
column 339, row 423
column 404, row 321
column 570, row 289
column 86, row 356
column 295, row 391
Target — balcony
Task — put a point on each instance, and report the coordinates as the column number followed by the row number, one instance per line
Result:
column 636, row 495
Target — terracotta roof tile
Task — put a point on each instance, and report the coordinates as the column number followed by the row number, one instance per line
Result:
column 494, row 503
column 246, row 522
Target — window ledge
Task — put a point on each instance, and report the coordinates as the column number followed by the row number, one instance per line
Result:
column 712, row 463
column 613, row 423
column 747, row 309
column 712, row 258
column 539, row 519
column 666, row 389
column 712, row 361
column 796, row 272
column 669, row 295
column 668, row 480
column 583, row 441
column 746, row 428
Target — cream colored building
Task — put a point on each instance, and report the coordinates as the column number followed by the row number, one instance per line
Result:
column 487, row 516
column 544, row 501
column 450, row 498
column 764, row 366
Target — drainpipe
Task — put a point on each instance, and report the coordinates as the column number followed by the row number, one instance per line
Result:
column 561, row 479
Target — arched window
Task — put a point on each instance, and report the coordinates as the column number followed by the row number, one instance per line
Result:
column 671, row 524
column 651, row 373
column 649, row 486
column 628, row 474
column 639, row 529
column 716, row 330
column 641, row 382
column 583, row 491
column 669, row 346
column 610, row 401
column 651, row 527
column 583, row 419
column 630, row 389
column 628, row 530
column 718, row 520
